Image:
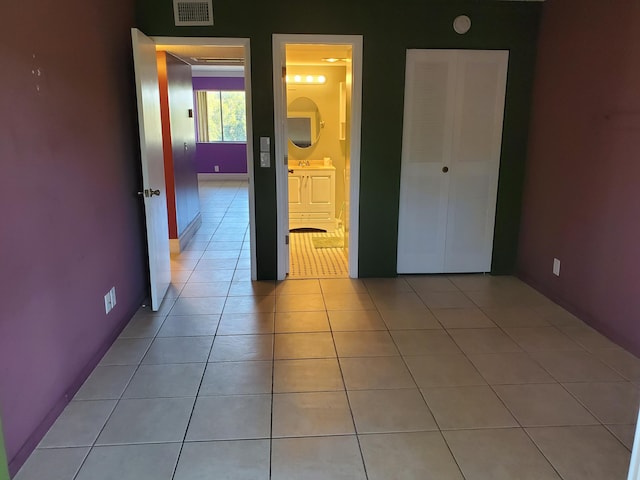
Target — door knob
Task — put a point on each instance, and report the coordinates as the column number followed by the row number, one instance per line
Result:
column 149, row 193
column 445, row 169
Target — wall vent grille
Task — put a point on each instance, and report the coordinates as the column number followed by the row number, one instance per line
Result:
column 193, row 12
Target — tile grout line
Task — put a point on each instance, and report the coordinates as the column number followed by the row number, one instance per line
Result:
column 464, row 353
column 118, row 400
column 195, row 401
column 235, row 194
column 556, row 380
column 420, row 390
column 502, row 402
column 346, row 393
column 273, row 373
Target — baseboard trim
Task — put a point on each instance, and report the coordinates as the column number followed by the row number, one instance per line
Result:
column 176, row 245
column 223, row 176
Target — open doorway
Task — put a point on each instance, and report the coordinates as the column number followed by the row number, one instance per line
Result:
column 317, row 96
column 152, row 158
column 220, row 90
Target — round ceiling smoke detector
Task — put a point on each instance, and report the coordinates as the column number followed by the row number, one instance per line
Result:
column 462, row 24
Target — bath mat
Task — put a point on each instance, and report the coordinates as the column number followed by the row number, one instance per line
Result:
column 328, row 242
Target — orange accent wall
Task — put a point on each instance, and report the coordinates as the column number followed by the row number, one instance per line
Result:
column 169, row 178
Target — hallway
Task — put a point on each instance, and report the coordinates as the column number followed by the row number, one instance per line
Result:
column 418, row 377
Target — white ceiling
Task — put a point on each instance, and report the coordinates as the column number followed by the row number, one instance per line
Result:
column 190, row 53
column 209, row 60
column 212, row 60
column 300, row 54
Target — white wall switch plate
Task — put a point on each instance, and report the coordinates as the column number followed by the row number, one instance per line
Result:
column 265, row 144
column 112, row 293
column 265, row 159
column 107, row 303
column 556, row 267
column 216, row 168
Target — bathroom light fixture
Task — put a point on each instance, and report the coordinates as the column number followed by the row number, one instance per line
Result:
column 334, row 59
column 306, row 79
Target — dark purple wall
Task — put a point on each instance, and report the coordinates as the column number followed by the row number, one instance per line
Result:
column 582, row 200
column 71, row 222
column 230, row 157
column 218, row 83
column 182, row 133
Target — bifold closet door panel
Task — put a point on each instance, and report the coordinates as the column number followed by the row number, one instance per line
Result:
column 475, row 161
column 426, row 149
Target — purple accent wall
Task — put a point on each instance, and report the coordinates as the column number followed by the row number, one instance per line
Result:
column 582, row 203
column 230, row 157
column 72, row 225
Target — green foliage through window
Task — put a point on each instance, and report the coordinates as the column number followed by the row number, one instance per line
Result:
column 221, row 116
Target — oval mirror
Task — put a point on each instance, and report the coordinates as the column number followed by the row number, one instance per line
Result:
column 303, row 122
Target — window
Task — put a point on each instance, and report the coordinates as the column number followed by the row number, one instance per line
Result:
column 221, row 116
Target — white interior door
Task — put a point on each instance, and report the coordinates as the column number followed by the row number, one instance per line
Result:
column 454, row 105
column 281, row 160
column 155, row 202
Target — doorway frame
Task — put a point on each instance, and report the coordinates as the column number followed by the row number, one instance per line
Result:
column 246, row 44
column 279, row 62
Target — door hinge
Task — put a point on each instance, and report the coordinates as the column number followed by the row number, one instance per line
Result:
column 286, row 239
column 284, row 72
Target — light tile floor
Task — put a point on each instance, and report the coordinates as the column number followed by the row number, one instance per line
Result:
column 421, row 377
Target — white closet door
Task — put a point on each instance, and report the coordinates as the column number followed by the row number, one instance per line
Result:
column 426, row 148
column 451, row 154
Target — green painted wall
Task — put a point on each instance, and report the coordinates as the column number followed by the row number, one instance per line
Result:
column 388, row 28
column 4, row 470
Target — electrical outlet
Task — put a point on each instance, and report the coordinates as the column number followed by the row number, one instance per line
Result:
column 107, row 302
column 556, row 267
column 112, row 294
column 216, row 168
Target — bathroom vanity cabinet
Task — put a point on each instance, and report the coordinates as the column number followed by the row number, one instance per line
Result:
column 312, row 197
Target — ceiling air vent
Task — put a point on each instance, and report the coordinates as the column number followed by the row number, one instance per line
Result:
column 193, row 12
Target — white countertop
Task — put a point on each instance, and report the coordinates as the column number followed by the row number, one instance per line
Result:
column 313, row 165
